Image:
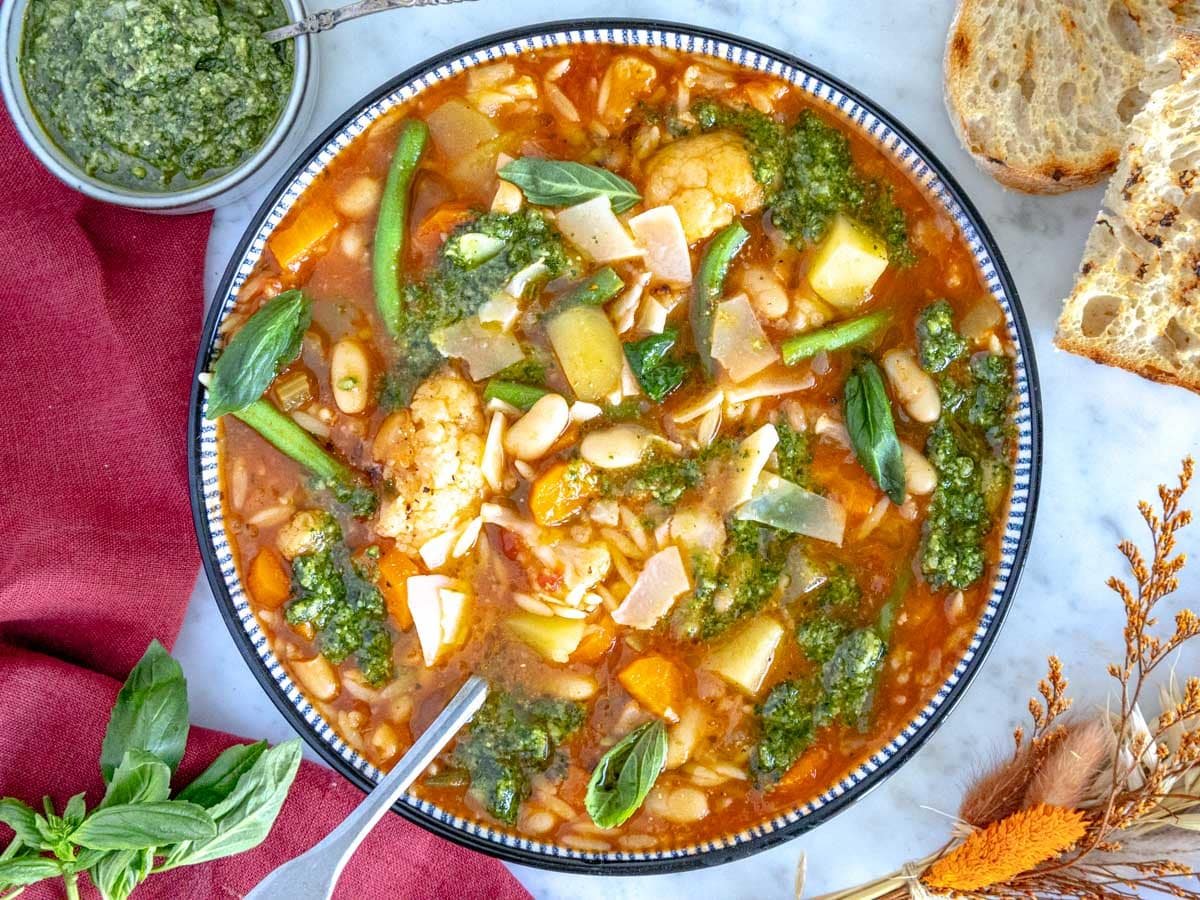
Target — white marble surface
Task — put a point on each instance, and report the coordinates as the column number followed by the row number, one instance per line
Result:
column 1109, row 436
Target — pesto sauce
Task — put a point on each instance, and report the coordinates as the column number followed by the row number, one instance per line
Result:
column 155, row 95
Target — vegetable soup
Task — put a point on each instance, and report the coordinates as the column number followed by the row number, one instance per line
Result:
column 646, row 388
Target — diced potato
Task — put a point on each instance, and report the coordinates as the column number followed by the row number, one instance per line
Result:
column 744, row 658
column 656, row 683
column 458, row 129
column 293, row 243
column 588, row 350
column 597, row 232
column 553, row 637
column 847, row 264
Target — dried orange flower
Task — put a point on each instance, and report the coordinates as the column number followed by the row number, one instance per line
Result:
column 1007, row 848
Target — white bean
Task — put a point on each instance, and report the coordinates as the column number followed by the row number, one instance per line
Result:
column 919, row 476
column 385, row 741
column 359, row 198
column 916, row 390
column 317, row 677
column 350, row 375
column 618, row 447
column 532, row 435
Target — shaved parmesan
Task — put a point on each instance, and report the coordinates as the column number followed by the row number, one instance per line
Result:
column 745, row 467
column 485, row 350
column 739, row 344
column 660, row 233
column 657, row 588
column 596, row 231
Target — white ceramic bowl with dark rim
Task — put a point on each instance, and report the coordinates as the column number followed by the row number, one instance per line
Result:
column 280, row 145
column 836, row 100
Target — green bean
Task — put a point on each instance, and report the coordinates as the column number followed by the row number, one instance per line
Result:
column 522, row 396
column 393, row 223
column 835, row 337
column 282, row 432
column 710, row 288
column 600, row 287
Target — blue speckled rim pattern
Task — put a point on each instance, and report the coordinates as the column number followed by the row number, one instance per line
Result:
column 838, row 100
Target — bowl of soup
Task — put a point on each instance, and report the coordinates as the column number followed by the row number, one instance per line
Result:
column 658, row 377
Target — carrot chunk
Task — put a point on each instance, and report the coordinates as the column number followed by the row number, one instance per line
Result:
column 293, row 243
column 597, row 641
column 268, row 581
column 561, row 492
column 656, row 683
column 395, row 568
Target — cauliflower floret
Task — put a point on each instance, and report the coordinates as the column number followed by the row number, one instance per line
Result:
column 626, row 81
column 432, row 454
column 708, row 178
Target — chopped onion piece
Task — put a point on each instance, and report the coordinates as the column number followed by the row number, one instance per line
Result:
column 657, row 588
column 781, row 504
column 652, row 317
column 520, row 282
column 493, row 452
column 501, row 311
column 739, row 344
column 485, row 350
column 660, row 232
column 436, row 551
column 597, row 232
column 582, row 411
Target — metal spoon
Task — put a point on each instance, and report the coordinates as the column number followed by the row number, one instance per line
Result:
column 324, row 19
column 312, row 875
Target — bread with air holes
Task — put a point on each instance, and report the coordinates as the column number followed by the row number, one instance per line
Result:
column 1136, row 302
column 1041, row 92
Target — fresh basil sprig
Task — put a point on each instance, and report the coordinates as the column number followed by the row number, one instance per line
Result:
column 872, row 429
column 625, row 774
column 268, row 341
column 550, row 182
column 137, row 829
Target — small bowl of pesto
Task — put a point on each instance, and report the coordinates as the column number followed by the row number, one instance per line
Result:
column 170, row 106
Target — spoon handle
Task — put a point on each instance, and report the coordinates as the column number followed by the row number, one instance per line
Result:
column 313, row 875
column 324, row 19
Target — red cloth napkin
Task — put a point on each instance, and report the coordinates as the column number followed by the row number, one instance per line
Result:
column 100, row 312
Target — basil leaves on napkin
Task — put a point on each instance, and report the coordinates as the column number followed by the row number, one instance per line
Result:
column 138, row 829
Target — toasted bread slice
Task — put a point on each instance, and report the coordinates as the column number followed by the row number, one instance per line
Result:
column 1041, row 91
column 1136, row 302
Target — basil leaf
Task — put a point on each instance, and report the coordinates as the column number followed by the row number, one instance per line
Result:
column 549, row 182
column 116, row 874
column 244, row 818
column 144, row 826
column 268, row 341
column 872, row 429
column 21, row 818
column 217, row 782
column 141, row 778
column 151, row 713
column 75, row 810
column 625, row 775
column 657, row 373
column 25, row 870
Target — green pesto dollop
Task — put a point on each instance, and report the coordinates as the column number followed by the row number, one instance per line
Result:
column 155, row 95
